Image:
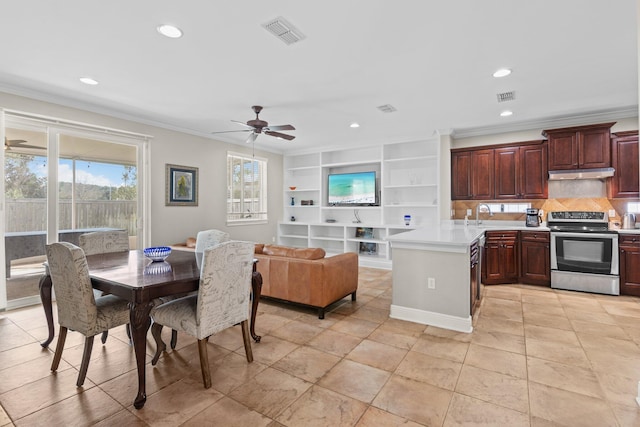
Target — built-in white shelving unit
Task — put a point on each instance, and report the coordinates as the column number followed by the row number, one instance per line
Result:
column 407, row 182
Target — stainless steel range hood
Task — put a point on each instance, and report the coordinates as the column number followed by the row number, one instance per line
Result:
column 598, row 173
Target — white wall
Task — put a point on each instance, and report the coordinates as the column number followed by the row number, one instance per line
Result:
column 172, row 224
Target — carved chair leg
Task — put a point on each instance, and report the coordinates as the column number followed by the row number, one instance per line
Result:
column 174, row 339
column 128, row 329
column 156, row 332
column 204, row 362
column 62, row 336
column 105, row 334
column 247, row 342
column 86, row 356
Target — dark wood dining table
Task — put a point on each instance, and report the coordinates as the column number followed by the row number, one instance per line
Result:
column 131, row 276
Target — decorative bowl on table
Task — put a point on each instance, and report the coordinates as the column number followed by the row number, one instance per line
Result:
column 156, row 254
column 292, row 188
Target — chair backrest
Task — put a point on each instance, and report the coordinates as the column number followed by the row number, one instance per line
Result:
column 207, row 238
column 102, row 242
column 72, row 285
column 225, row 283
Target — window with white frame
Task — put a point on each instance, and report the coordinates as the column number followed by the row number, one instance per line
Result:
column 246, row 189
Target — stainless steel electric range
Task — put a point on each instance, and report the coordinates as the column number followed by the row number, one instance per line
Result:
column 584, row 252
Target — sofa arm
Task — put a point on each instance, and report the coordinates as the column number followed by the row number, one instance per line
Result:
column 340, row 276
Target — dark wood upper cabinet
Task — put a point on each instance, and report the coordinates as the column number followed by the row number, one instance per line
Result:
column 517, row 171
column 521, row 172
column 482, row 174
column 579, row 147
column 534, row 164
column 624, row 159
column 472, row 174
column 508, row 174
column 461, row 175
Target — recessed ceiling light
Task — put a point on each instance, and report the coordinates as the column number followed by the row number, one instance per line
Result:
column 170, row 31
column 502, row 72
column 88, row 81
column 354, row 125
column 506, row 113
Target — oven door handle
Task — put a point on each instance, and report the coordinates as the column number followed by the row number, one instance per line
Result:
column 612, row 236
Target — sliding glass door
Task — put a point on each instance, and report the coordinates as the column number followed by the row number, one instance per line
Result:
column 61, row 182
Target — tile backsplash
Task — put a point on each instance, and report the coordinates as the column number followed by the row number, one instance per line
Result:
column 597, row 204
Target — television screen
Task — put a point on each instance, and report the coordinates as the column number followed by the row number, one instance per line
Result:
column 357, row 189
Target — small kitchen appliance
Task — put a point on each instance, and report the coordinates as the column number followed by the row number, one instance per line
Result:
column 628, row 221
column 533, row 218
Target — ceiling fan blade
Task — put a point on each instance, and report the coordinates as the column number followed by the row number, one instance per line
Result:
column 243, row 124
column 252, row 137
column 35, row 147
column 280, row 127
column 229, row 131
column 279, row 135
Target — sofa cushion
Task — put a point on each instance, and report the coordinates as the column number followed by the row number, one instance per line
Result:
column 300, row 253
column 308, row 253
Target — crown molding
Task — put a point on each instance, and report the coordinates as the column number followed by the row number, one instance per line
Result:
column 550, row 122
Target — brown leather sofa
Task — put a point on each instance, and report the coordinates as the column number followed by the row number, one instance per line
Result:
column 305, row 276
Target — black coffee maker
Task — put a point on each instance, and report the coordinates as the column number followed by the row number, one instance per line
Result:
column 533, row 218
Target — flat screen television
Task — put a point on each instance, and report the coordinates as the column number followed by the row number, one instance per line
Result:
column 352, row 189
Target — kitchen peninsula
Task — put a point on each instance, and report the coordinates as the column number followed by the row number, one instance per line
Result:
column 432, row 276
column 436, row 273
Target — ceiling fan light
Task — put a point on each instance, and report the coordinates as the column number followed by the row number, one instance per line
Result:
column 88, row 81
column 502, row 72
column 170, row 31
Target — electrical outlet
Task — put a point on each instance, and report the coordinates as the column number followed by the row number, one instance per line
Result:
column 468, row 212
column 612, row 213
column 431, row 283
column 273, row 239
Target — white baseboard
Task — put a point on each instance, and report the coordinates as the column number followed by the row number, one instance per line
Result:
column 431, row 318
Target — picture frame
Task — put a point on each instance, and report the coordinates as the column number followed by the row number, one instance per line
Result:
column 364, row 232
column 368, row 248
column 181, row 185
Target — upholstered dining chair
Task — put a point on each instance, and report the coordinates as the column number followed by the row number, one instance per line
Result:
column 78, row 309
column 222, row 301
column 204, row 239
column 104, row 242
column 207, row 238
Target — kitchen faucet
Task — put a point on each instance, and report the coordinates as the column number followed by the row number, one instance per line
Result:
column 478, row 222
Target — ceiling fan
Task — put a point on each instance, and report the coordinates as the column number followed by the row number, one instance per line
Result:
column 257, row 126
column 18, row 143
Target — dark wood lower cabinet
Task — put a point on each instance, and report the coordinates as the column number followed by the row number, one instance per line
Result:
column 535, row 258
column 500, row 262
column 512, row 256
column 629, row 247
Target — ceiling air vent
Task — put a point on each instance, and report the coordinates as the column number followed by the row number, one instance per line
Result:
column 283, row 30
column 506, row 96
column 387, row 108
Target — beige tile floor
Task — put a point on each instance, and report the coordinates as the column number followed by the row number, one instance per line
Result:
column 536, row 357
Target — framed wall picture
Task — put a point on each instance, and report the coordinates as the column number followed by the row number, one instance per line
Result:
column 181, row 185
